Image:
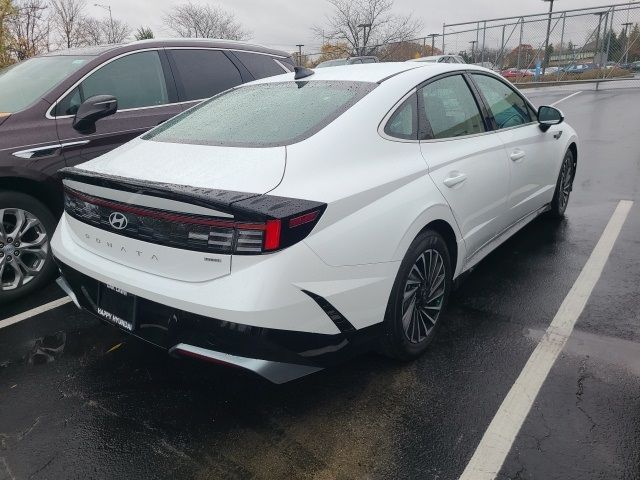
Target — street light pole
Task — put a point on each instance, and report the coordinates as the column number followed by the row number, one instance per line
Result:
column 546, row 43
column 300, row 45
column 108, row 7
column 365, row 38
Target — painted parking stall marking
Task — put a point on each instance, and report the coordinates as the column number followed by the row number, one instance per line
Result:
column 565, row 98
column 33, row 312
column 503, row 429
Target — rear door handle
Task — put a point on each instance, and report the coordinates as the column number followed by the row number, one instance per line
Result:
column 454, row 179
column 517, row 155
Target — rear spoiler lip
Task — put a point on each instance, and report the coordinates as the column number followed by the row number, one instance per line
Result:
column 243, row 205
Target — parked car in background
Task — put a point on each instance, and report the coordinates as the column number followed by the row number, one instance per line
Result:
column 578, row 68
column 348, row 61
column 515, row 73
column 439, row 59
column 67, row 107
column 286, row 225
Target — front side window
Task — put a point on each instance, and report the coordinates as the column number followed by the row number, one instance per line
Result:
column 203, row 73
column 507, row 107
column 449, row 109
column 263, row 115
column 136, row 80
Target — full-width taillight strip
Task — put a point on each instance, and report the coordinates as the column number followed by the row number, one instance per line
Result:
column 161, row 215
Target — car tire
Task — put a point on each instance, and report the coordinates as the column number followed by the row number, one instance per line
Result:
column 34, row 260
column 564, row 186
column 409, row 330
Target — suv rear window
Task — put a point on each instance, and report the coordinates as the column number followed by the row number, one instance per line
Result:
column 202, row 73
column 263, row 115
column 260, row 66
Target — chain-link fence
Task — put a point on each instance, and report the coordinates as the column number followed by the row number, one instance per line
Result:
column 588, row 43
column 596, row 42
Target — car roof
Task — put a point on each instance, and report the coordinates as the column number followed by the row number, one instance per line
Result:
column 168, row 42
column 375, row 72
column 429, row 57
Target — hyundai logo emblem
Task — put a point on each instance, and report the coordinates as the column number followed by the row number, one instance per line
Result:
column 118, row 221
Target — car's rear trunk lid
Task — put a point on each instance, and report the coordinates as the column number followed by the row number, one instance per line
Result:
column 176, row 213
column 254, row 170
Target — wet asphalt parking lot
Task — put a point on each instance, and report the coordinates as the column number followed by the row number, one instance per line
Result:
column 78, row 399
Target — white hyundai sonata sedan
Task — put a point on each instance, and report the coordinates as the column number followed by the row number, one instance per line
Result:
column 288, row 224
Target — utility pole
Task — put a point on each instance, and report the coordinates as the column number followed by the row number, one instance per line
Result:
column 627, row 26
column 546, row 42
column 473, row 50
column 300, row 45
column 365, row 37
column 111, row 34
column 433, row 36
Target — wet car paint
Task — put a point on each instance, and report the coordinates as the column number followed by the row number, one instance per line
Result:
column 106, row 405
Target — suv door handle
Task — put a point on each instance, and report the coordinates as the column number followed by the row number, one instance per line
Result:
column 517, row 155
column 454, row 179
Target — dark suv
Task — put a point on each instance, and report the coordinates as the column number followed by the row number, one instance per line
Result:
column 67, row 107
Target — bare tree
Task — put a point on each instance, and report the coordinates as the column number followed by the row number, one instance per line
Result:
column 28, row 29
column 69, row 21
column 97, row 32
column 366, row 23
column 115, row 31
column 204, row 21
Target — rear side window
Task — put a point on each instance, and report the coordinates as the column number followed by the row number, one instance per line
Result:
column 263, row 115
column 507, row 107
column 202, row 74
column 260, row 66
column 404, row 121
column 136, row 80
column 449, row 109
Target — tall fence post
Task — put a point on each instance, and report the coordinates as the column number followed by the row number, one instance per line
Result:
column 443, row 32
column 520, row 43
column 561, row 52
column 484, row 40
column 610, row 34
column 477, row 44
column 502, row 48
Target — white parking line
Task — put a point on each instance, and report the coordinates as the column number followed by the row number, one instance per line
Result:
column 33, row 312
column 503, row 429
column 566, row 98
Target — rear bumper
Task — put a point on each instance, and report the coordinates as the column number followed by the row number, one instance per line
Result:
column 277, row 355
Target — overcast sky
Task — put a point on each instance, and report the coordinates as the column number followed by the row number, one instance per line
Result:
column 284, row 23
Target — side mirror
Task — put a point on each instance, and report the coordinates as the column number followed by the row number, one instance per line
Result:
column 548, row 116
column 92, row 110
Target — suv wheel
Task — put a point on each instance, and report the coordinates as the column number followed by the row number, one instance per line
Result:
column 418, row 298
column 26, row 226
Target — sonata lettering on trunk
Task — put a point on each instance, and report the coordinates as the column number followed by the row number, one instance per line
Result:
column 121, row 248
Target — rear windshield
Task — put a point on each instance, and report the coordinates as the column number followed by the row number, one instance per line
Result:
column 263, row 115
column 26, row 82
